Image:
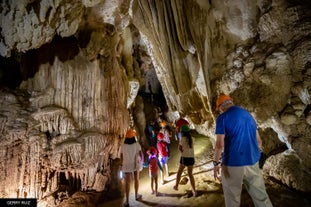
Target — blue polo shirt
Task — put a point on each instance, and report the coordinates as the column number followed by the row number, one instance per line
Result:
column 239, row 127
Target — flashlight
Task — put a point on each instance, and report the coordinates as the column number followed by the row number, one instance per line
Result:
column 121, row 174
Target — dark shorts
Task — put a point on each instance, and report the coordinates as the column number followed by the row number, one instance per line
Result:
column 187, row 161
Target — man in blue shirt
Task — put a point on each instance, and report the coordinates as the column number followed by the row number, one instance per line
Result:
column 238, row 147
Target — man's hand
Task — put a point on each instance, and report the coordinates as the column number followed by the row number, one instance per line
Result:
column 217, row 172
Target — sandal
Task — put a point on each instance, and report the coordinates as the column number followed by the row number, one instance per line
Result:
column 138, row 197
column 126, row 204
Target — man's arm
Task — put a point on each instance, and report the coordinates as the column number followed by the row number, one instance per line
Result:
column 259, row 141
column 140, row 153
column 219, row 147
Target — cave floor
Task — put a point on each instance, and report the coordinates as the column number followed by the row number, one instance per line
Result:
column 209, row 190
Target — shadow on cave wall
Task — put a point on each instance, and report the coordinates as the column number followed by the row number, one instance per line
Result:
column 62, row 48
column 21, row 66
column 10, row 75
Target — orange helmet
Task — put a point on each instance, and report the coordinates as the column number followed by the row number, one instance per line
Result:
column 130, row 133
column 221, row 99
column 163, row 124
column 160, row 136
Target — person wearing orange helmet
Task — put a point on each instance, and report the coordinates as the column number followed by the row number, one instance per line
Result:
column 237, row 154
column 167, row 134
column 131, row 153
column 221, row 101
column 165, row 130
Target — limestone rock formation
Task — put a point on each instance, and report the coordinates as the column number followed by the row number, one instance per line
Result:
column 73, row 77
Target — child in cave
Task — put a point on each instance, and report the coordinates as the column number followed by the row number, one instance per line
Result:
column 154, row 166
column 163, row 155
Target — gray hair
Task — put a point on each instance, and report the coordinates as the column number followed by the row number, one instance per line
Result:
column 226, row 103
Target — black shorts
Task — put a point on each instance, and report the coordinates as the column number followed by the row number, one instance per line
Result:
column 187, row 161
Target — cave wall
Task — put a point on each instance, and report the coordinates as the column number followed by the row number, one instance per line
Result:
column 57, row 133
column 64, row 123
column 83, row 63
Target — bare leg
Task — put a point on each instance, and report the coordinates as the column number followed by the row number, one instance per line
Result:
column 162, row 175
column 190, row 174
column 152, row 188
column 128, row 177
column 166, row 170
column 156, row 185
column 136, row 184
column 178, row 176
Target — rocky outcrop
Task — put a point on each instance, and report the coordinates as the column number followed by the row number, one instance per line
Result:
column 84, row 66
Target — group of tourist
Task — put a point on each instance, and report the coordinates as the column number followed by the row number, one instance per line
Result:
column 236, row 157
column 158, row 155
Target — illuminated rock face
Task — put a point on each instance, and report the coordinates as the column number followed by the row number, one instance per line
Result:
column 83, row 63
